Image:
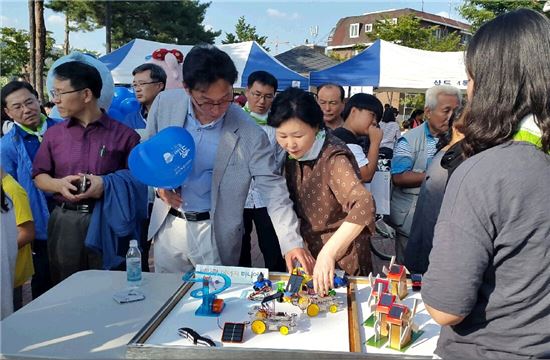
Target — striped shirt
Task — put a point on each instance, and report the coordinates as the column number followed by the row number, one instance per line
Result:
column 402, row 153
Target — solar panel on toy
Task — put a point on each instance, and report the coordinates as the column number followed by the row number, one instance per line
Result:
column 386, row 300
column 396, row 312
column 294, row 283
column 233, row 332
column 395, row 269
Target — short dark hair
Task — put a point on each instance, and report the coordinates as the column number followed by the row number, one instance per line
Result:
column 13, row 86
column 49, row 104
column 295, row 103
column 157, row 73
column 206, row 64
column 264, row 78
column 342, row 92
column 363, row 101
column 507, row 59
column 81, row 76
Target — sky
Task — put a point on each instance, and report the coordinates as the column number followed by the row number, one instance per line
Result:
column 285, row 23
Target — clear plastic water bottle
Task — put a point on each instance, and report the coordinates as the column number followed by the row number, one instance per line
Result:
column 133, row 265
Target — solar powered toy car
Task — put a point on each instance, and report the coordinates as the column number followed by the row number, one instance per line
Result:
column 265, row 317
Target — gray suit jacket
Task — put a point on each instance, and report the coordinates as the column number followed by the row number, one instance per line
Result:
column 243, row 153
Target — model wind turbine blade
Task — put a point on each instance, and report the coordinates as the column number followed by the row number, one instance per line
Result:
column 415, row 304
column 413, row 326
column 405, row 334
column 386, row 270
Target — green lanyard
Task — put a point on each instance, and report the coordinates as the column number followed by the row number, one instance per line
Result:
column 39, row 131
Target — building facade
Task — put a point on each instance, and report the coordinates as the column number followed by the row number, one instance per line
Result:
column 354, row 33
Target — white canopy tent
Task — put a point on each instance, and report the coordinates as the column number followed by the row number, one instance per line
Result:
column 390, row 67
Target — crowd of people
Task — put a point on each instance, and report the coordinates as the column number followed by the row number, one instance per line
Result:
column 469, row 196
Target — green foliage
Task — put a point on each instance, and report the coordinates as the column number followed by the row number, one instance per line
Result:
column 78, row 12
column 415, row 101
column 335, row 56
column 96, row 54
column 245, row 32
column 479, row 12
column 15, row 53
column 178, row 22
column 409, row 32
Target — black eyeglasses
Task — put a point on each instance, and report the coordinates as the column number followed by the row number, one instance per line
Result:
column 56, row 94
column 140, row 85
column 207, row 105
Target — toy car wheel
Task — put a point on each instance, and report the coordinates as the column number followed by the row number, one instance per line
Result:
column 258, row 327
column 312, row 310
column 333, row 308
column 284, row 330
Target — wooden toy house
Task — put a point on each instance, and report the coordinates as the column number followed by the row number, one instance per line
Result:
column 385, row 302
column 398, row 320
column 397, row 277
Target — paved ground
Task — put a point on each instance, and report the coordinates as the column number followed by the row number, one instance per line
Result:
column 383, row 245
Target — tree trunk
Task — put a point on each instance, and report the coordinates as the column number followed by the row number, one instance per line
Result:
column 32, row 33
column 40, row 52
column 108, row 10
column 66, row 45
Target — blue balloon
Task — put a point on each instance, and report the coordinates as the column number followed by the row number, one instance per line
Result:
column 120, row 94
column 165, row 160
column 116, row 114
column 129, row 105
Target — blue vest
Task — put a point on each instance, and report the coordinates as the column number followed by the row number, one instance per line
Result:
column 17, row 163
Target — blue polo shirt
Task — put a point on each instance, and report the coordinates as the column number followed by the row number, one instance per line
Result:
column 402, row 153
column 197, row 188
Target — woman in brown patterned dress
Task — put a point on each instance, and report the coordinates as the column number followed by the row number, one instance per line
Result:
column 335, row 209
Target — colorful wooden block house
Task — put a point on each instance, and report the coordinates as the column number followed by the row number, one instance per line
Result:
column 397, row 277
column 400, row 326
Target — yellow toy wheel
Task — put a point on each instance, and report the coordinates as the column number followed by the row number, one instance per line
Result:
column 284, row 330
column 258, row 327
column 333, row 308
column 312, row 310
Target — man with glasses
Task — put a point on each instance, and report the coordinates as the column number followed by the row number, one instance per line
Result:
column 19, row 146
column 260, row 91
column 88, row 143
column 202, row 221
column 331, row 100
column 149, row 81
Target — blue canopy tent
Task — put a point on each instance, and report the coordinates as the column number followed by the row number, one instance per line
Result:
column 247, row 56
column 387, row 66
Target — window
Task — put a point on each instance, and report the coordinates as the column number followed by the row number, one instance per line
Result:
column 354, row 30
column 368, row 28
column 394, row 21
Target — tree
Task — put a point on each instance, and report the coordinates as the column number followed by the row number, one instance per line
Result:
column 16, row 55
column 32, row 45
column 15, row 51
column 409, row 32
column 77, row 18
column 479, row 12
column 244, row 32
column 178, row 22
column 40, row 48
